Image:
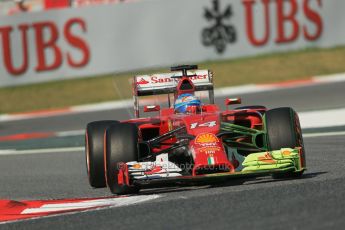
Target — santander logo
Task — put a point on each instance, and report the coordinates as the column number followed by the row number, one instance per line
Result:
column 155, row 79
column 142, row 82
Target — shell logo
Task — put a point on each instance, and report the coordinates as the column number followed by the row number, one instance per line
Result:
column 206, row 138
column 188, row 98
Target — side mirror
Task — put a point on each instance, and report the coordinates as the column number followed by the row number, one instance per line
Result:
column 233, row 101
column 151, row 108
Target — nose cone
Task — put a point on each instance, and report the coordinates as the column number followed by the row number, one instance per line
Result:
column 209, row 155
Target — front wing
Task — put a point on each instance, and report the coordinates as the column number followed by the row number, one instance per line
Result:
column 285, row 161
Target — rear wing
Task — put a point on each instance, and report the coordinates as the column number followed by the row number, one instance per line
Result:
column 163, row 83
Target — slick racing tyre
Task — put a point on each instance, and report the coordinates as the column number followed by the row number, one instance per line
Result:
column 121, row 147
column 94, row 141
column 284, row 131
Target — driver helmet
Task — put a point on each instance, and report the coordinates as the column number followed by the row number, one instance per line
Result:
column 186, row 100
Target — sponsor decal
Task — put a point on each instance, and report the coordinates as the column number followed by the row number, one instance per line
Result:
column 57, row 53
column 136, row 166
column 205, row 138
column 142, row 82
column 300, row 25
column 210, row 159
column 219, row 34
column 187, row 98
column 267, row 158
column 165, row 79
column 209, row 149
column 206, row 124
column 156, row 169
column 158, row 79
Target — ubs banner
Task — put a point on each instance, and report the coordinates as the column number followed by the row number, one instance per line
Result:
column 65, row 44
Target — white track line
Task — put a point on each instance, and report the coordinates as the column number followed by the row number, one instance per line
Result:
column 326, row 134
column 103, row 106
column 70, row 133
column 11, row 152
column 338, row 77
column 323, row 118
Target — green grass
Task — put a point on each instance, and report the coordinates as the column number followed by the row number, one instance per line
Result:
column 261, row 69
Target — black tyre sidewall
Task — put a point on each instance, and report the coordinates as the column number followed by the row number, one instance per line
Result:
column 280, row 127
column 121, row 147
column 283, row 130
column 94, row 149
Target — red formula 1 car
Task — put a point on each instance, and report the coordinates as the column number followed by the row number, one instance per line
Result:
column 201, row 144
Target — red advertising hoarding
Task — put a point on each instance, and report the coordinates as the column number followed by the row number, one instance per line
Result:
column 53, row 4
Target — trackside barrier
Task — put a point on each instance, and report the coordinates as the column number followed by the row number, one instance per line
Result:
column 89, row 41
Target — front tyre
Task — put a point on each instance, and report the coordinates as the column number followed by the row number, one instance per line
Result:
column 284, row 131
column 121, row 147
column 94, row 152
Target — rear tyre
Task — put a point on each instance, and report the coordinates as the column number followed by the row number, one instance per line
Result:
column 94, row 136
column 284, row 131
column 121, row 147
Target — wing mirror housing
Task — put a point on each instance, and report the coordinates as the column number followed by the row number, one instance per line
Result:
column 233, row 101
column 151, row 108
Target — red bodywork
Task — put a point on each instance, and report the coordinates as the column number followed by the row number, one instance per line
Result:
column 207, row 149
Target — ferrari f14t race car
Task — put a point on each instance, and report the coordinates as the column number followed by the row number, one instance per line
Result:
column 188, row 139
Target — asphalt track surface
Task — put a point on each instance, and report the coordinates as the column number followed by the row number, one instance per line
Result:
column 314, row 202
column 317, row 97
